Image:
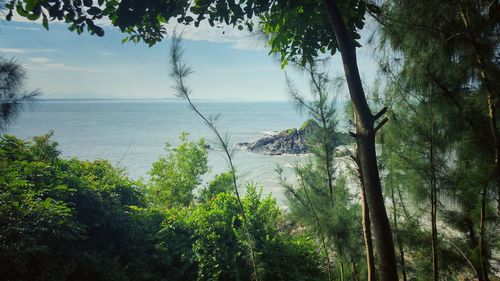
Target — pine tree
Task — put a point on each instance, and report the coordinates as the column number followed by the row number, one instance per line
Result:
column 321, row 200
column 13, row 96
column 447, row 53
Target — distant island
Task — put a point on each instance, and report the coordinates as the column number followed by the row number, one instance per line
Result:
column 289, row 141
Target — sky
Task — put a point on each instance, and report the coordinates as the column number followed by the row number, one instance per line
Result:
column 230, row 66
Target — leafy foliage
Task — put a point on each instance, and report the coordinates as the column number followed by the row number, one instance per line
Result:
column 64, row 219
column 220, row 248
column 174, row 177
column 297, row 31
column 79, row 220
column 221, row 183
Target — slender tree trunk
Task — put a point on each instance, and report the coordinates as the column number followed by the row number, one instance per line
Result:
column 367, row 232
column 365, row 139
column 341, row 258
column 435, row 264
column 179, row 72
column 492, row 117
column 473, row 245
column 405, row 211
column 341, row 271
column 490, row 97
column 354, row 270
column 482, row 247
column 320, row 230
column 398, row 237
column 367, row 236
column 328, row 165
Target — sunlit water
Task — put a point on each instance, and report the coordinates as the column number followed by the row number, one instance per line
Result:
column 131, row 134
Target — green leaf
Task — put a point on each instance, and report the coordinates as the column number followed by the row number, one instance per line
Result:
column 20, row 10
column 31, row 4
column 45, row 22
column 9, row 16
column 250, row 26
column 98, row 30
column 94, row 11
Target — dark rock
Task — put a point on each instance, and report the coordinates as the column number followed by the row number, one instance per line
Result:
column 291, row 141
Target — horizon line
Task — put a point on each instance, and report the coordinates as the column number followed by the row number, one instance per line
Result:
column 154, row 99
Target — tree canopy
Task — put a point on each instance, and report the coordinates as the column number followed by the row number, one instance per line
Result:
column 297, row 30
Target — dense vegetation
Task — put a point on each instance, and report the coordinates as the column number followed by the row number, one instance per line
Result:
column 78, row 220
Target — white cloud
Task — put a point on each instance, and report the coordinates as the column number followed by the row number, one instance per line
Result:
column 107, row 54
column 24, row 50
column 47, row 64
column 22, row 28
column 14, row 50
column 39, row 60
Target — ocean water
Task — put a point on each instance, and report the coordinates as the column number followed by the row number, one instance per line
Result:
column 132, row 134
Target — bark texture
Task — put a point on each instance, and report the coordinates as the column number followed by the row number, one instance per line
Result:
column 367, row 232
column 365, row 139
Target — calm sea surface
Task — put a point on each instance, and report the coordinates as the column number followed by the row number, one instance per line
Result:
column 131, row 134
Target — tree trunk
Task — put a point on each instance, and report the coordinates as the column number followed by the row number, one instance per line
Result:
column 320, row 230
column 367, row 236
column 365, row 139
column 355, row 275
column 398, row 237
column 341, row 271
column 435, row 264
column 483, row 258
column 328, row 165
column 491, row 95
column 367, row 232
column 492, row 116
column 341, row 258
column 473, row 245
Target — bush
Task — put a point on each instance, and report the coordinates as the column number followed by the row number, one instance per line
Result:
column 86, row 220
column 65, row 219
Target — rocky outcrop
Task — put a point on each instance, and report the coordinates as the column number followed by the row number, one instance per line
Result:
column 291, row 141
column 278, row 144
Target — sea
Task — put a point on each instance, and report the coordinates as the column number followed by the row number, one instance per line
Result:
column 132, row 134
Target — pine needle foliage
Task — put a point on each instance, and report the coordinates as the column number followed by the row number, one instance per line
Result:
column 439, row 61
column 13, row 96
column 321, row 200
